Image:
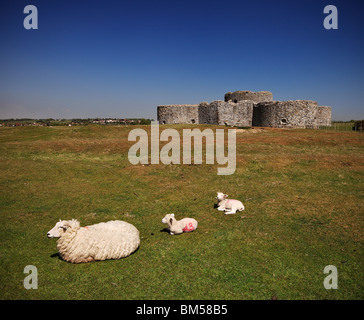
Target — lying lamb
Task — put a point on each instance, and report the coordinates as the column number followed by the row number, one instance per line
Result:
column 178, row 227
column 228, row 205
column 110, row 240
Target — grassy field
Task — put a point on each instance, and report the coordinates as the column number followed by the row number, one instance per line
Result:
column 303, row 191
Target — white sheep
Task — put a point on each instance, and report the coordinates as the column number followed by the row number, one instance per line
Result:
column 179, row 226
column 107, row 240
column 230, row 206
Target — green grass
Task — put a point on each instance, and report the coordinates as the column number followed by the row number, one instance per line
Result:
column 339, row 126
column 303, row 191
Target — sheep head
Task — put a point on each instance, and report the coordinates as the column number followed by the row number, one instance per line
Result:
column 169, row 218
column 221, row 196
column 61, row 227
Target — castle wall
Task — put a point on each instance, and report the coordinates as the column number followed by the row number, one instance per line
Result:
column 256, row 97
column 281, row 114
column 243, row 113
column 234, row 114
column 207, row 113
column 226, row 113
column 178, row 113
column 323, row 117
column 245, row 109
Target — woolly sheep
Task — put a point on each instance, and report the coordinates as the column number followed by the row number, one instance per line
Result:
column 228, row 205
column 179, row 226
column 107, row 240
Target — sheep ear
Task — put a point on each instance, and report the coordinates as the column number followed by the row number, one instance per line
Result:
column 172, row 214
column 226, row 195
column 65, row 226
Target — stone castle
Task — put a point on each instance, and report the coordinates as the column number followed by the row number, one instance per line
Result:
column 246, row 109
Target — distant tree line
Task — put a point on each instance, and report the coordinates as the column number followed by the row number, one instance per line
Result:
column 73, row 122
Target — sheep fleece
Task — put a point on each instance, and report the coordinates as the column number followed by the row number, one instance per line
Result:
column 106, row 240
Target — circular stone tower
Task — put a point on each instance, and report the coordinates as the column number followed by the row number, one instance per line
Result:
column 256, row 97
column 281, row 114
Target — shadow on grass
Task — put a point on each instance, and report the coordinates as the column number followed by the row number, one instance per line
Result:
column 164, row 230
column 55, row 255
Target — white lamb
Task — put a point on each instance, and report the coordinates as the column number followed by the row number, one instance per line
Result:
column 180, row 226
column 110, row 240
column 230, row 206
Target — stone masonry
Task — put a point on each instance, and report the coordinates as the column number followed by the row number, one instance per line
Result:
column 227, row 113
column 246, row 109
column 248, row 95
column 299, row 114
column 178, row 113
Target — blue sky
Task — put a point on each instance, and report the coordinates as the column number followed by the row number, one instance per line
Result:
column 121, row 59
